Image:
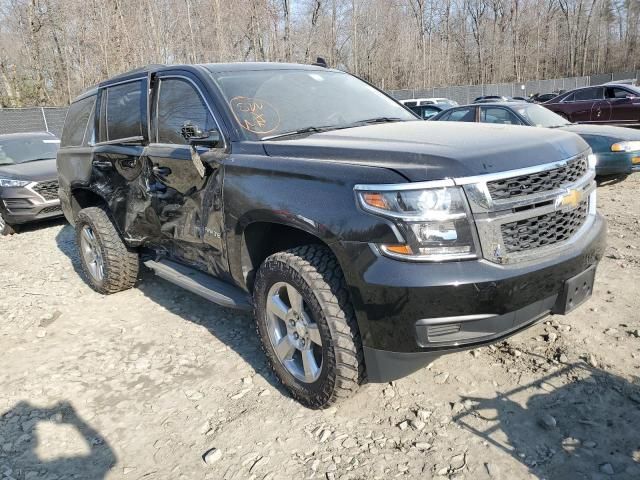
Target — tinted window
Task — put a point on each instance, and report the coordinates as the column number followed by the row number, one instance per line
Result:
column 76, row 122
column 460, row 115
column 179, row 103
column 124, row 111
column 617, row 93
column 588, row 94
column 498, row 115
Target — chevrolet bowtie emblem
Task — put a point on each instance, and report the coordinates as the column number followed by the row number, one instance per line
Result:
column 570, row 199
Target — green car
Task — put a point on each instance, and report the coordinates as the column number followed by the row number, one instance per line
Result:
column 617, row 149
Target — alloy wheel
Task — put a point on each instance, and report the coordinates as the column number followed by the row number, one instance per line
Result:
column 91, row 253
column 293, row 333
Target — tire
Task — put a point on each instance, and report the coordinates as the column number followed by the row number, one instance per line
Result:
column 5, row 228
column 119, row 264
column 327, row 315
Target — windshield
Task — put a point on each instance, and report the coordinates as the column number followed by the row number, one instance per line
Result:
column 27, row 149
column 540, row 116
column 270, row 103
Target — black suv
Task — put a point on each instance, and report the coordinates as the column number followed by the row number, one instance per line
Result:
column 366, row 241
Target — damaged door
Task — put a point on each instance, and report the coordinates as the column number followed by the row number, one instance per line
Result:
column 118, row 156
column 186, row 193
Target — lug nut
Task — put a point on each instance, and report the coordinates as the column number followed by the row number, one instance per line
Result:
column 292, row 323
column 302, row 342
column 295, row 335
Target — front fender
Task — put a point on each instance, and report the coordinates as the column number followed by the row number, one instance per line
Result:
column 316, row 197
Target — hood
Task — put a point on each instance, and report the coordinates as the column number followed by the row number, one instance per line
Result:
column 423, row 151
column 38, row 171
column 617, row 133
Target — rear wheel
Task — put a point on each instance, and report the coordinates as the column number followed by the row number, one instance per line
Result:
column 307, row 326
column 107, row 263
column 5, row 228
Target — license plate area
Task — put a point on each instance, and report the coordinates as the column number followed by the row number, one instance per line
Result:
column 576, row 291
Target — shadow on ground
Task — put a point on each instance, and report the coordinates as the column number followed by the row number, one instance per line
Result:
column 235, row 329
column 588, row 428
column 609, row 180
column 41, row 224
column 29, row 434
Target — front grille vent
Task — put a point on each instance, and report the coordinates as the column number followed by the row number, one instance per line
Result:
column 543, row 230
column 48, row 190
column 508, row 188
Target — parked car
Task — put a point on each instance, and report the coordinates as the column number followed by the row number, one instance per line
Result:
column 28, row 179
column 498, row 98
column 617, row 149
column 362, row 238
column 424, row 111
column 543, row 97
column 440, row 101
column 616, row 104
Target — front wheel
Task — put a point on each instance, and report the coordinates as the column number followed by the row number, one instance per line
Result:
column 307, row 325
column 5, row 228
column 107, row 263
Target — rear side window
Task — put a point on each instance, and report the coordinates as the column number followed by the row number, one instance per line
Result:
column 179, row 103
column 123, row 111
column 589, row 94
column 460, row 115
column 498, row 115
column 76, row 124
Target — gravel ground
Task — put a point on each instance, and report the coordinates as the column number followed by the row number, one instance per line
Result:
column 156, row 383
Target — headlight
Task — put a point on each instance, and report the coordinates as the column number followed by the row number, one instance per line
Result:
column 625, row 146
column 435, row 222
column 10, row 182
column 592, row 161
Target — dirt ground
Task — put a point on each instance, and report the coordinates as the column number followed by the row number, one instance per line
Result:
column 142, row 384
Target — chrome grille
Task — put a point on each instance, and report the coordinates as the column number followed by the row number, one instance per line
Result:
column 547, row 207
column 48, row 190
column 543, row 230
column 507, row 188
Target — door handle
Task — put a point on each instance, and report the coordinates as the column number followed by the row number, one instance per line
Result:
column 102, row 164
column 161, row 171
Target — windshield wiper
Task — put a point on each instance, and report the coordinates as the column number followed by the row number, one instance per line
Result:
column 558, row 126
column 302, row 131
column 378, row 120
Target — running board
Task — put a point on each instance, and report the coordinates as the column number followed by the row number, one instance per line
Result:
column 200, row 283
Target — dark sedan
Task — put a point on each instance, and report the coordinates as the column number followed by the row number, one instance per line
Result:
column 617, row 149
column 28, row 179
column 616, row 104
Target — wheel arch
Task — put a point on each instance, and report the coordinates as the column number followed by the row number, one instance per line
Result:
column 262, row 238
column 82, row 197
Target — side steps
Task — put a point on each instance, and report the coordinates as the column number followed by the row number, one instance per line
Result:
column 200, row 283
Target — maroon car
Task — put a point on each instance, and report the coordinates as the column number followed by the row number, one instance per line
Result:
column 615, row 104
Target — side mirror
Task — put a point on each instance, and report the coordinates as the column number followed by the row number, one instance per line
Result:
column 194, row 135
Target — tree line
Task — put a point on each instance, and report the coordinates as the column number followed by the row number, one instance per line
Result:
column 50, row 50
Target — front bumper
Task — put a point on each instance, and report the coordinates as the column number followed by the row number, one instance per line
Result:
column 22, row 205
column 617, row 163
column 396, row 302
